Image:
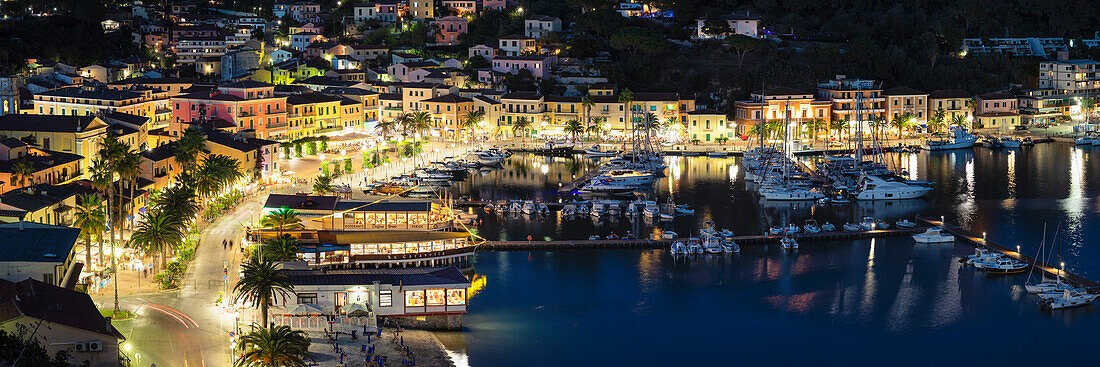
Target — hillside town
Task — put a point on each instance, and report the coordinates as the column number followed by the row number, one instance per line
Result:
column 257, row 129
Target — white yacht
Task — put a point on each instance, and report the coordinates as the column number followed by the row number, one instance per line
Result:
column 595, row 151
column 867, row 223
column 933, row 235
column 960, row 138
column 905, row 223
column 604, row 187
column 878, row 188
column 626, row 177
column 1002, row 265
column 791, row 194
column 1069, row 298
column 982, row 255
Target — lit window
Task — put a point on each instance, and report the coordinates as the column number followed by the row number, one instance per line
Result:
column 414, row 298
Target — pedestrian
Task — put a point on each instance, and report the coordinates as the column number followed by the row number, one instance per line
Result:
column 230, row 243
column 223, row 244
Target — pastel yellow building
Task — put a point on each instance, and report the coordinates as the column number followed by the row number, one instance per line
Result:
column 706, row 125
column 310, row 114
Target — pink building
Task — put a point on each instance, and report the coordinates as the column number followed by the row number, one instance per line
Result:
column 448, row 28
column 538, row 65
column 231, row 107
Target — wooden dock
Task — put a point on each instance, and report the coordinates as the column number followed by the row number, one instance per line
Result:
column 657, row 244
column 978, row 241
column 573, row 186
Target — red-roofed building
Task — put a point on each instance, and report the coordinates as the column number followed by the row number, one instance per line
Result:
column 448, row 28
column 232, row 107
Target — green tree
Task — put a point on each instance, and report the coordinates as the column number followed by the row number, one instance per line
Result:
column 742, row 45
column 574, row 128
column 714, row 25
column 323, row 185
column 159, row 233
column 586, row 106
column 91, row 219
column 418, row 123
column 520, row 126
column 471, row 120
column 902, row 123
column 280, row 219
column 633, row 40
column 275, row 346
column 597, row 128
column 937, row 122
column 261, row 283
column 22, row 170
column 279, row 249
column 188, row 148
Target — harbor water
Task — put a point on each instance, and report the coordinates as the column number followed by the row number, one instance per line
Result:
column 861, row 302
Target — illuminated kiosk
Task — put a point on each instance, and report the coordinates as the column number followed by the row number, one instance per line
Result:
column 430, row 298
column 370, row 234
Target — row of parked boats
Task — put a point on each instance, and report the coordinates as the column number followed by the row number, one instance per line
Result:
column 710, row 241
column 425, row 181
column 605, row 208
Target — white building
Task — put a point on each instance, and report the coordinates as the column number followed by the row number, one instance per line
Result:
column 1071, row 76
column 540, row 25
column 516, row 45
column 484, row 51
column 429, row 297
column 362, row 12
column 743, row 24
column 1023, row 46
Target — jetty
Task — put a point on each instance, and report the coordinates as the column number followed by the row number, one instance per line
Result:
column 977, row 241
column 576, row 184
column 761, row 239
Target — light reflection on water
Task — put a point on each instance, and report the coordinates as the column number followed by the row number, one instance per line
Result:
column 832, row 299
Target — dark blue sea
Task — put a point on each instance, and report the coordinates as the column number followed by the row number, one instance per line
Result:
column 841, row 303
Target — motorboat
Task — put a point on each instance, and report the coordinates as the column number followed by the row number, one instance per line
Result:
column 811, row 226
column 684, row 210
column 882, row 225
column 541, row 208
column 791, row 194
column 626, row 177
column 516, row 207
column 828, row 227
column 651, row 210
column 598, row 209
column 605, row 187
column 788, row 243
column 960, row 138
column 668, row 235
column 873, row 187
column 792, row 229
column 632, row 209
column 725, row 232
column 905, row 223
column 594, row 237
column 933, row 235
column 777, row 230
column 569, row 210
column 1010, row 142
column 1085, row 140
column 694, row 247
column 678, row 248
column 595, row 151
column 852, row 227
column 867, row 223
column 1002, row 265
column 981, row 255
column 666, row 216
column 1068, row 299
column 840, row 200
column 529, row 208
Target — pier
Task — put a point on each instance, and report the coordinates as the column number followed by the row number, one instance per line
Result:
column 572, row 186
column 976, row 241
column 761, row 239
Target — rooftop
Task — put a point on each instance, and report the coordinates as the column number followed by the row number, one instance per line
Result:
column 32, row 298
column 50, row 123
column 403, row 276
column 308, row 202
column 36, row 242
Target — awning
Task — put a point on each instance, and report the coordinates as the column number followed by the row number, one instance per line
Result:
column 366, row 237
column 356, row 309
column 306, row 309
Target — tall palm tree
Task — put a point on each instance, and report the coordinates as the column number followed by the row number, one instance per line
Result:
column 188, row 148
column 815, row 124
column 838, row 125
column 419, row 122
column 158, row 233
column 279, row 249
column 387, row 127
column 276, row 346
column 958, row 121
column 217, row 173
column 574, row 128
column 261, row 282
column 91, row 219
column 598, row 127
column 521, row 125
column 472, row 119
column 102, row 179
column 129, row 168
column 627, row 98
column 179, row 200
column 586, row 106
column 111, row 152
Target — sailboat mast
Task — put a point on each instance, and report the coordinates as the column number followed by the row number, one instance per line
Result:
column 859, row 125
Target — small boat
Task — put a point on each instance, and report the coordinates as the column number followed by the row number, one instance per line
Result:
column 732, row 247
column 867, row 223
column 541, row 208
column 881, row 225
column 595, row 151
column 678, row 248
column 594, row 237
column 717, row 154
column 684, row 210
column 828, row 227
column 777, row 230
column 981, row 255
column 529, row 207
column 840, row 200
column 824, row 201
column 1087, row 140
column 651, row 210
column 666, row 216
column 852, row 227
column 1068, row 299
column 568, row 211
column 668, row 235
column 792, row 229
column 905, row 223
column 1002, row 265
column 1047, row 285
column 725, row 232
column 694, row 247
column 933, row 235
column 788, row 243
column 811, row 226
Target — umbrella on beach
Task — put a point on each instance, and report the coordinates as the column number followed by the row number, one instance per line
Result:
column 357, row 309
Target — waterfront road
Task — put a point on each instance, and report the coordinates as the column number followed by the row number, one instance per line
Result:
column 185, row 328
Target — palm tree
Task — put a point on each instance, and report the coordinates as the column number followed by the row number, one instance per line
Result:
column 158, row 233
column 521, row 125
column 626, row 98
column 111, row 152
column 586, row 106
column 838, row 125
column 276, row 346
column 815, row 124
column 937, row 122
column 188, row 147
column 279, row 249
column 323, row 185
column 878, row 124
column 387, row 127
column 419, row 122
column 958, row 121
column 283, row 218
column 92, row 221
column 261, row 282
column 129, row 168
column 179, row 200
column 22, row 169
column 574, row 128
column 597, row 127
column 223, row 169
column 902, row 122
column 102, row 177
column 472, row 119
